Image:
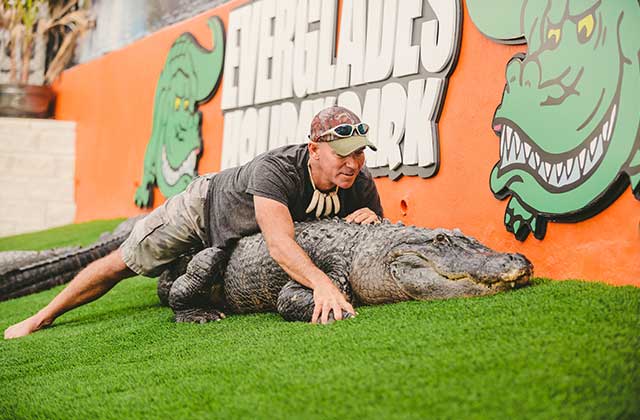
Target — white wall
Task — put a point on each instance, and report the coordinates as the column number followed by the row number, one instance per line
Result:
column 37, row 166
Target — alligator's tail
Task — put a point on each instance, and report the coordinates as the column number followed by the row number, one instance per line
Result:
column 23, row 273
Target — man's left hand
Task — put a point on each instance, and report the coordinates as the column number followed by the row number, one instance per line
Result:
column 363, row 216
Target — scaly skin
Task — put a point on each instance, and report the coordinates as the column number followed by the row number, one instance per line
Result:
column 371, row 264
column 190, row 77
column 26, row 272
column 568, row 121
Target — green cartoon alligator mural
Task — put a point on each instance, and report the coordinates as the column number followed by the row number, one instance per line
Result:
column 190, row 77
column 569, row 121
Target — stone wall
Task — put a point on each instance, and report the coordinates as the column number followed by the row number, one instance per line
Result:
column 37, row 168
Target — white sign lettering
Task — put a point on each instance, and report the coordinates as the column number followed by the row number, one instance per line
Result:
column 390, row 66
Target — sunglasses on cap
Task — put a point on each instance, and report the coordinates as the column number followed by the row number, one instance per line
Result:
column 347, row 130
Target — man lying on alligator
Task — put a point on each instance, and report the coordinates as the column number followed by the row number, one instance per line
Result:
column 325, row 177
column 314, row 279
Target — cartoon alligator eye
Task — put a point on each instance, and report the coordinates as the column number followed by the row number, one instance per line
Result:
column 176, row 104
column 553, row 37
column 186, row 104
column 585, row 27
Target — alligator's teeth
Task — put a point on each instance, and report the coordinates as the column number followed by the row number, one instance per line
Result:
column 569, row 165
column 605, row 131
column 521, row 156
column 547, row 168
column 542, row 174
column 592, row 146
column 508, row 146
column 553, row 177
column 527, row 150
column 581, row 157
column 537, row 159
column 575, row 173
column 564, row 175
column 516, row 138
column 512, row 152
column 599, row 150
column 503, row 145
column 186, row 168
column 532, row 161
column 612, row 121
column 588, row 164
column 559, row 168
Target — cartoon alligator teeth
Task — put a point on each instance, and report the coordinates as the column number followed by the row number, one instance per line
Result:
column 569, row 120
column 187, row 167
column 518, row 151
column 190, row 77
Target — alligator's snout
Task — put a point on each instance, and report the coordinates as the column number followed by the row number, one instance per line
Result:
column 504, row 271
column 447, row 264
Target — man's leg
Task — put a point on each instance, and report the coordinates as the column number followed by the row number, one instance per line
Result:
column 88, row 285
column 162, row 236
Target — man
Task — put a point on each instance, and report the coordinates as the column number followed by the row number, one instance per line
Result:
column 324, row 178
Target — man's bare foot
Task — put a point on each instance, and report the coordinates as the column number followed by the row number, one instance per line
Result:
column 23, row 328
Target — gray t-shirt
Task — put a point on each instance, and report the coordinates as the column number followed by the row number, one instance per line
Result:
column 281, row 175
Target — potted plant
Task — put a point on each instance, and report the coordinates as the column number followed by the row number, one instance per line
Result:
column 37, row 41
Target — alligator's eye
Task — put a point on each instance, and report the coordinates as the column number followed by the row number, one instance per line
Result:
column 440, row 237
column 186, row 104
column 585, row 27
column 176, row 103
column 553, row 37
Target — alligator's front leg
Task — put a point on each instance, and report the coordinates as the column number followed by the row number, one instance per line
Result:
column 295, row 301
column 169, row 276
column 520, row 221
column 189, row 296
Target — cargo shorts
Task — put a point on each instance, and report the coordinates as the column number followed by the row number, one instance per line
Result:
column 174, row 229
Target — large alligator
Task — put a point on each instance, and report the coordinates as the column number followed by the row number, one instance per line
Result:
column 371, row 264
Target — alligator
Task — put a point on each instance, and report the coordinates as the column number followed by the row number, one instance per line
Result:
column 568, row 120
column 370, row 264
column 190, row 77
column 26, row 272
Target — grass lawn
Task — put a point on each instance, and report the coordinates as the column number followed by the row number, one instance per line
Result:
column 556, row 350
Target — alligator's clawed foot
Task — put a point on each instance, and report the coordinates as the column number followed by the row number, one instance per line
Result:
column 143, row 197
column 199, row 315
column 520, row 221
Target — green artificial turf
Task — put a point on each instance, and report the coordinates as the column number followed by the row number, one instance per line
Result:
column 556, row 350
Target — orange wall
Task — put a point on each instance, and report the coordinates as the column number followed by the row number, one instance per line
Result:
column 111, row 99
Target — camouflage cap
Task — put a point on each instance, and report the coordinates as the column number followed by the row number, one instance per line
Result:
column 332, row 117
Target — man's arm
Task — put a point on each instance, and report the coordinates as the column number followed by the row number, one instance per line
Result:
column 276, row 225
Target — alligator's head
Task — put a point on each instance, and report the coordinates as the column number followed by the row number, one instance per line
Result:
column 407, row 263
column 180, row 137
column 568, row 122
column 190, row 77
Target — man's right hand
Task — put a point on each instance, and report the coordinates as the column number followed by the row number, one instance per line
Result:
column 276, row 225
column 327, row 298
